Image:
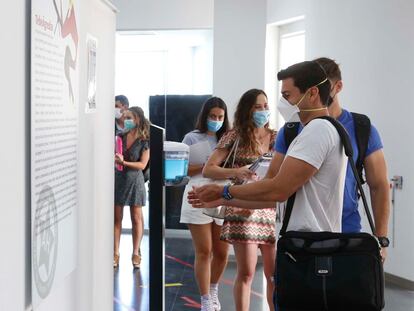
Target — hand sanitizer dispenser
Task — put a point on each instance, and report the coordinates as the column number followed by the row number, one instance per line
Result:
column 176, row 157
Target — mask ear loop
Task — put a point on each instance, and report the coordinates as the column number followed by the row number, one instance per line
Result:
column 331, row 98
column 314, row 109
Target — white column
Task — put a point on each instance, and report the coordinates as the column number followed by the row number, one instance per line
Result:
column 239, row 44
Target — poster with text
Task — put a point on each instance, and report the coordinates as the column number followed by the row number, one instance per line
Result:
column 91, row 44
column 54, row 146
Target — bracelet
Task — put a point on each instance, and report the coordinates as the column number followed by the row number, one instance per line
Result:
column 226, row 193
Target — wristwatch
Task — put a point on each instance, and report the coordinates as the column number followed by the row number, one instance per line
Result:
column 383, row 241
column 226, row 193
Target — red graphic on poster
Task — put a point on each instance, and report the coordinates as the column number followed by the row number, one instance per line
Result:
column 68, row 28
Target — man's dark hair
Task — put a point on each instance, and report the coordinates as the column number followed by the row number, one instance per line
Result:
column 122, row 99
column 331, row 68
column 305, row 75
column 212, row 102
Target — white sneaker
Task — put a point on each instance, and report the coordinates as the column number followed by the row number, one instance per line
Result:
column 215, row 301
column 206, row 305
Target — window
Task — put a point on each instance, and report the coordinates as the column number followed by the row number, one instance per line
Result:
column 178, row 62
column 291, row 51
column 285, row 46
column 163, row 62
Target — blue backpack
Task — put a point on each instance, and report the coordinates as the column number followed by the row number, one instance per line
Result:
column 362, row 126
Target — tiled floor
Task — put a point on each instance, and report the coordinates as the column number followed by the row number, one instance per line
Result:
column 131, row 286
column 179, row 269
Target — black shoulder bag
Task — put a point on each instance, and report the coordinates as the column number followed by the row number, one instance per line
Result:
column 326, row 271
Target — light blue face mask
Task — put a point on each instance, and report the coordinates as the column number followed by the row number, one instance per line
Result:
column 129, row 124
column 214, row 126
column 261, row 117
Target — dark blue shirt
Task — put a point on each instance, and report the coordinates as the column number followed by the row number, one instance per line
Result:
column 351, row 220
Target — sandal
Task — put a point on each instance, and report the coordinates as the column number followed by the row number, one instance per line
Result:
column 136, row 261
column 116, row 260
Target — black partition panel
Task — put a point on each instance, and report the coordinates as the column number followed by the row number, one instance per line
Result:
column 156, row 220
column 178, row 115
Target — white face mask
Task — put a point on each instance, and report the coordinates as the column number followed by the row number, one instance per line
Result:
column 118, row 113
column 287, row 110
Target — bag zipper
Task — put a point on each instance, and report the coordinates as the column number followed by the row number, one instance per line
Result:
column 291, row 256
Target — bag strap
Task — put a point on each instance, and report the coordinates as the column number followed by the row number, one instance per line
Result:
column 291, row 131
column 288, row 212
column 362, row 125
column 343, row 134
column 233, row 151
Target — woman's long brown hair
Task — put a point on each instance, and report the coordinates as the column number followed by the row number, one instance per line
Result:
column 143, row 125
column 243, row 120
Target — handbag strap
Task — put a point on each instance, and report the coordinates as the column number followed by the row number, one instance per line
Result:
column 343, row 134
column 233, row 151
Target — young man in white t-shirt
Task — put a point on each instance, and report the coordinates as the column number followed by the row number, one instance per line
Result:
column 314, row 166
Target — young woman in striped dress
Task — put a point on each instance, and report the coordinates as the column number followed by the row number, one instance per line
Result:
column 247, row 230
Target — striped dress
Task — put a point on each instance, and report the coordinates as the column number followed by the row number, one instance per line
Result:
column 259, row 227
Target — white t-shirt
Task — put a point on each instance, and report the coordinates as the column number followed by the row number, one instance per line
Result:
column 318, row 203
column 190, row 215
column 195, row 137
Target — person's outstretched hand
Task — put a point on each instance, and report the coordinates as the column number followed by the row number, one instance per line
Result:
column 208, row 193
column 197, row 203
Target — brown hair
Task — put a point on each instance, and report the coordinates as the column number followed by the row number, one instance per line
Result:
column 243, row 120
column 143, row 125
column 331, row 68
column 212, row 102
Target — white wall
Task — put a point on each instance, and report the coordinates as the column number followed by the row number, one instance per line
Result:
column 239, row 48
column 90, row 286
column 283, row 10
column 14, row 222
column 238, row 61
column 161, row 14
column 372, row 40
column 95, row 253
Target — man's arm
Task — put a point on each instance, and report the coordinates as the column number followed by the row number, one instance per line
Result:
column 377, row 180
column 197, row 203
column 275, row 164
column 293, row 174
column 303, row 160
column 271, row 173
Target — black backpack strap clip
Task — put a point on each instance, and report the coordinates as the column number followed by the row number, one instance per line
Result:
column 362, row 125
column 291, row 131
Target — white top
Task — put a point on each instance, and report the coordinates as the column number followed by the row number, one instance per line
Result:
column 195, row 137
column 190, row 215
column 318, row 203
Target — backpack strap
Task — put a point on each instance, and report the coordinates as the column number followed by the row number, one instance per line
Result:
column 291, row 131
column 362, row 125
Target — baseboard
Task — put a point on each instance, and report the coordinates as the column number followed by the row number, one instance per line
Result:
column 178, row 234
column 129, row 231
column 400, row 282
